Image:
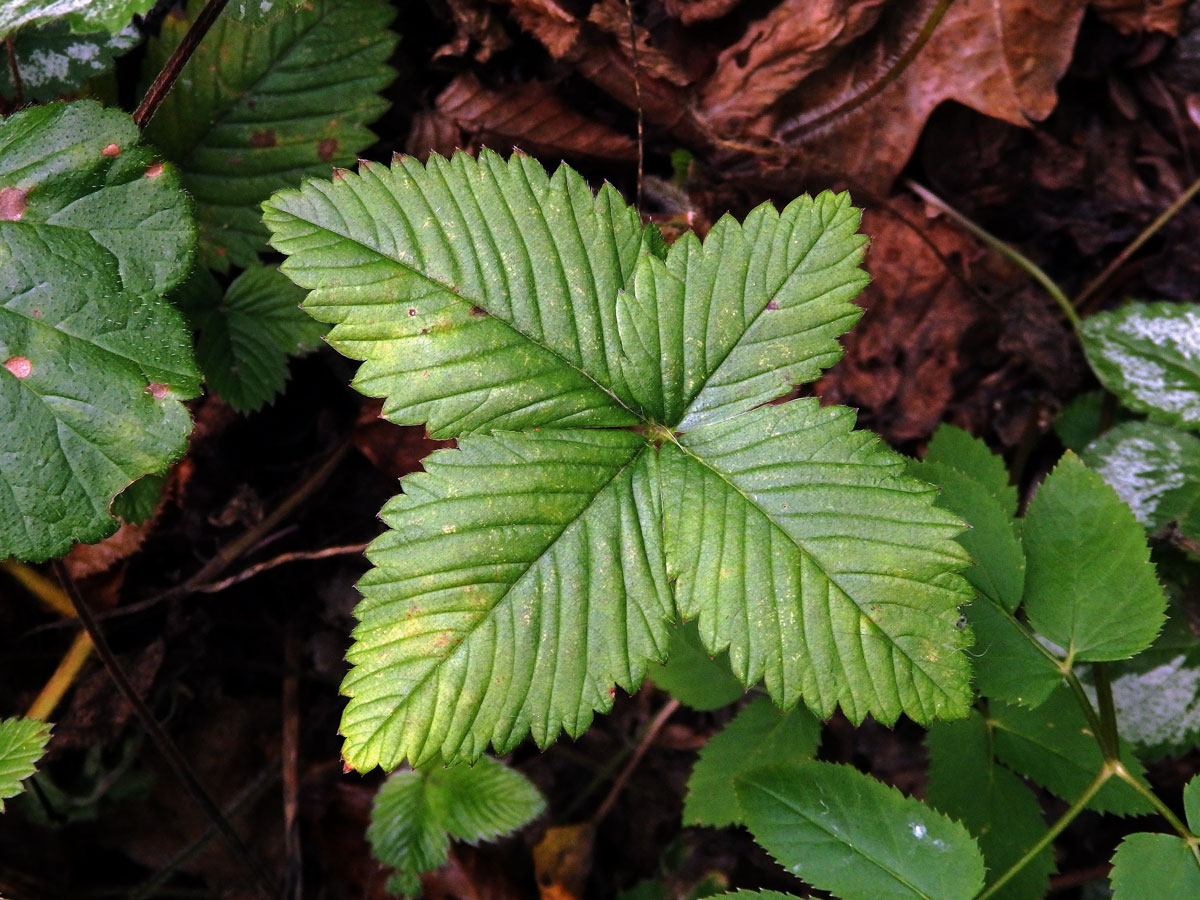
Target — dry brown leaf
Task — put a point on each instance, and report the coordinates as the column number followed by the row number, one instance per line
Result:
column 1135, row 16
column 777, row 52
column 562, row 860
column 1001, row 57
column 91, row 559
column 549, row 23
column 531, row 116
column 691, row 11
column 475, row 24
column 902, row 358
column 612, row 17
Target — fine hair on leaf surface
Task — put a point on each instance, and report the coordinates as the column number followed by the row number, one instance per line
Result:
column 537, row 566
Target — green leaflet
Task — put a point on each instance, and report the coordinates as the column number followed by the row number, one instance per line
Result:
column 1148, row 354
column 814, row 591
column 95, row 363
column 528, row 573
column 83, row 16
column 692, row 675
column 246, row 337
column 1155, row 470
column 757, row 736
column 959, row 450
column 1160, row 865
column 1054, row 746
column 416, row 813
column 22, row 743
column 1089, row 586
column 845, row 832
column 997, row 808
column 519, row 580
column 258, row 108
column 53, row 59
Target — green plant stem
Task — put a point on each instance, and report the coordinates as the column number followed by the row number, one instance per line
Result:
column 1136, row 244
column 158, row 91
column 1109, row 743
column 1159, row 807
column 1025, row 263
column 1106, row 772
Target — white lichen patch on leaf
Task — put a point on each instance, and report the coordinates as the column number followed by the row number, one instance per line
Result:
column 1160, row 707
column 1148, row 354
column 1138, row 478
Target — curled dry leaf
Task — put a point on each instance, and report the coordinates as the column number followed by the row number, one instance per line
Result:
column 612, row 17
column 475, row 25
column 1000, row 57
column 1133, row 16
column 531, row 116
column 690, row 12
column 794, row 40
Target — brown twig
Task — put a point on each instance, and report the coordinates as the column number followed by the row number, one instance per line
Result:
column 175, row 760
column 289, row 760
column 652, row 730
column 258, row 568
column 637, row 93
column 178, row 59
column 52, row 693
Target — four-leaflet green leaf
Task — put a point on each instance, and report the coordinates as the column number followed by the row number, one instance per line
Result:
column 93, row 362
column 620, row 474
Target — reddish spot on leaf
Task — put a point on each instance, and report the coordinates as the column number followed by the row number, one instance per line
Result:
column 478, row 311
column 412, row 312
column 19, row 366
column 339, row 174
column 111, row 150
column 154, row 170
column 326, row 149
column 156, row 390
column 773, row 304
column 12, row 204
column 264, row 138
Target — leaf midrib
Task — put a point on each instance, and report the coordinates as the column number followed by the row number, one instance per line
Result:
column 434, row 669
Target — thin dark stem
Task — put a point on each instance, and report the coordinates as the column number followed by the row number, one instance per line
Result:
column 637, row 93
column 1136, row 244
column 652, row 730
column 175, row 760
column 14, row 71
column 178, row 59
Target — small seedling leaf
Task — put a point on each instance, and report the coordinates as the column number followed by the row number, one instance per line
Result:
column 417, row 813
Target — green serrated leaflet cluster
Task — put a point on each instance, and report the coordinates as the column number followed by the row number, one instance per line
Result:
column 93, row 232
column 539, row 565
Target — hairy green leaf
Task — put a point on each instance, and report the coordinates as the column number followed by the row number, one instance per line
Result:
column 1054, row 746
column 83, row 16
column 259, row 108
column 692, row 675
column 520, row 579
column 1155, row 865
column 1148, row 354
column 138, row 502
column 845, row 832
column 757, row 736
column 416, row 813
column 801, row 547
column 95, row 363
column 53, row 59
column 997, row 808
column 1089, row 586
column 1155, row 470
column 485, row 294
column 22, row 743
column 247, row 336
column 1008, row 665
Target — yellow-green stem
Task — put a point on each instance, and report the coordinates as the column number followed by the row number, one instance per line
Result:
column 1055, row 830
column 1004, row 249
